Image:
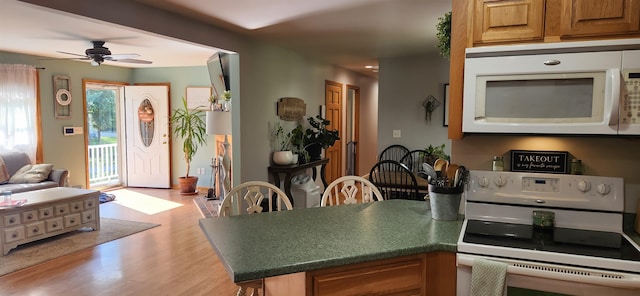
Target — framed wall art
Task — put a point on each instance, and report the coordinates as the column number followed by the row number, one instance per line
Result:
column 62, row 96
column 198, row 97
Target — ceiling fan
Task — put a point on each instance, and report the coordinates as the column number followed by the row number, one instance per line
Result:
column 98, row 54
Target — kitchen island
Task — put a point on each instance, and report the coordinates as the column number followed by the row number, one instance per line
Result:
column 307, row 248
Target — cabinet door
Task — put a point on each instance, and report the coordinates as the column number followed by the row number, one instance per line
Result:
column 397, row 276
column 508, row 21
column 600, row 17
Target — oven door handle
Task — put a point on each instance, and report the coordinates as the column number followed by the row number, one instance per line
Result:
column 561, row 273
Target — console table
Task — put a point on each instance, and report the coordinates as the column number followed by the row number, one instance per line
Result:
column 290, row 170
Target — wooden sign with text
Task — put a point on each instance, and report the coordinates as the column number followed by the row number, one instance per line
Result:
column 291, row 109
column 555, row 162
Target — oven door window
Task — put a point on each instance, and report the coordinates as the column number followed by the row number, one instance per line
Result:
column 542, row 98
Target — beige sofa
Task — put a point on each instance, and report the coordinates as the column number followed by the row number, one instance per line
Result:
column 15, row 161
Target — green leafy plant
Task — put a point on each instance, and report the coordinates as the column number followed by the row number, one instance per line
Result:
column 438, row 151
column 191, row 127
column 319, row 134
column 281, row 141
column 444, row 34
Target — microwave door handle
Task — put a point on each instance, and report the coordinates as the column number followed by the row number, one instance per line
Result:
column 614, row 86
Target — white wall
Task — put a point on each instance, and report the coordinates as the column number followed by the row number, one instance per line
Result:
column 405, row 83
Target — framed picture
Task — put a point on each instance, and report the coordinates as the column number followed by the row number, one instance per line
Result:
column 445, row 121
column 198, row 97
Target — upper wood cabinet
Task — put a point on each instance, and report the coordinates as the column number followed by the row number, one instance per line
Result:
column 599, row 17
column 508, row 21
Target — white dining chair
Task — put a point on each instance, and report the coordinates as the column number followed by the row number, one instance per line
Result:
column 248, row 198
column 345, row 190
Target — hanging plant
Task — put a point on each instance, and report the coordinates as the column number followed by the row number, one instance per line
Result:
column 444, row 34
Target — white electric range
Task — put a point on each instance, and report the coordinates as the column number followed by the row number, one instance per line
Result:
column 584, row 253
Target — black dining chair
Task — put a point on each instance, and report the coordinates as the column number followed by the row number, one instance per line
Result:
column 415, row 158
column 395, row 180
column 393, row 152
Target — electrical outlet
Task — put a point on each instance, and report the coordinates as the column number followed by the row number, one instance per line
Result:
column 396, row 133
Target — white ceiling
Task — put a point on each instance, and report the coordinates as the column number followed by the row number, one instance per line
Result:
column 348, row 33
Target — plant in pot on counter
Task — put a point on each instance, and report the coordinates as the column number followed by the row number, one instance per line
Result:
column 191, row 127
column 318, row 137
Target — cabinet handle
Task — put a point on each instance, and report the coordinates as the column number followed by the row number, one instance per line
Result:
column 12, row 220
column 54, row 225
column 14, row 235
column 46, row 213
column 30, row 216
column 72, row 221
column 76, row 207
column 35, row 230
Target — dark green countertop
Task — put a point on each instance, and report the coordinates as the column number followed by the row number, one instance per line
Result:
column 271, row 244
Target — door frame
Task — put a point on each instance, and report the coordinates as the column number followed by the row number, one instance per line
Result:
column 86, row 125
column 356, row 124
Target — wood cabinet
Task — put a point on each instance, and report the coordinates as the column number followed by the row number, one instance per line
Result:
column 431, row 273
column 397, row 276
column 508, row 21
column 599, row 17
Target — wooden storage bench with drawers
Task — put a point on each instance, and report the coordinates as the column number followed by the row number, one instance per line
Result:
column 48, row 212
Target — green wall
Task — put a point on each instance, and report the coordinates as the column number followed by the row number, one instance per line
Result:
column 65, row 151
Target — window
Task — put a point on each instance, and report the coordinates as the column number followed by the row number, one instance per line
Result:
column 18, row 109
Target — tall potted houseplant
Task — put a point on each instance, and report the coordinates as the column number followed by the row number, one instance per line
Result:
column 191, row 127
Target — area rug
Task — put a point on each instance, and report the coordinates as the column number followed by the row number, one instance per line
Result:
column 44, row 250
column 207, row 208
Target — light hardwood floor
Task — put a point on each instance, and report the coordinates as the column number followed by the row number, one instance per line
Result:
column 173, row 259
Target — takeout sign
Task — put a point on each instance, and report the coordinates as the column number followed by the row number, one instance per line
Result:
column 539, row 161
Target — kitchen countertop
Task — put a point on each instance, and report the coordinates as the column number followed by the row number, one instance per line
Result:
column 270, row 244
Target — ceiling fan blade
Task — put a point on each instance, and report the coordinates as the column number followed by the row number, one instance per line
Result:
column 134, row 61
column 114, row 57
column 75, row 54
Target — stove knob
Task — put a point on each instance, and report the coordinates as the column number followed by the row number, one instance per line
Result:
column 483, row 182
column 604, row 189
column 500, row 181
column 584, row 186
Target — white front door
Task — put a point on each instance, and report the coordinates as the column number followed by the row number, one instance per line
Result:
column 147, row 136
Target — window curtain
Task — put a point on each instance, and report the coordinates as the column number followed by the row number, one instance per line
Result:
column 18, row 99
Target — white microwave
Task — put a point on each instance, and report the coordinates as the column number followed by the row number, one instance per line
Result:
column 561, row 88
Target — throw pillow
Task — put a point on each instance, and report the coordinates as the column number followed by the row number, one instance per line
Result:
column 4, row 174
column 35, row 173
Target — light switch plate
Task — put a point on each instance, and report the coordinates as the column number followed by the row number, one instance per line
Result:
column 397, row 133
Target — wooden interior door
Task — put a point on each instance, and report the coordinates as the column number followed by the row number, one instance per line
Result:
column 333, row 103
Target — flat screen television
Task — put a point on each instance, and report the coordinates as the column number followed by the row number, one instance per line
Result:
column 219, row 78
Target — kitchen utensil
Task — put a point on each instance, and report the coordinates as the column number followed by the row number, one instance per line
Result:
column 429, row 171
column 452, row 170
column 440, row 165
column 462, row 176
